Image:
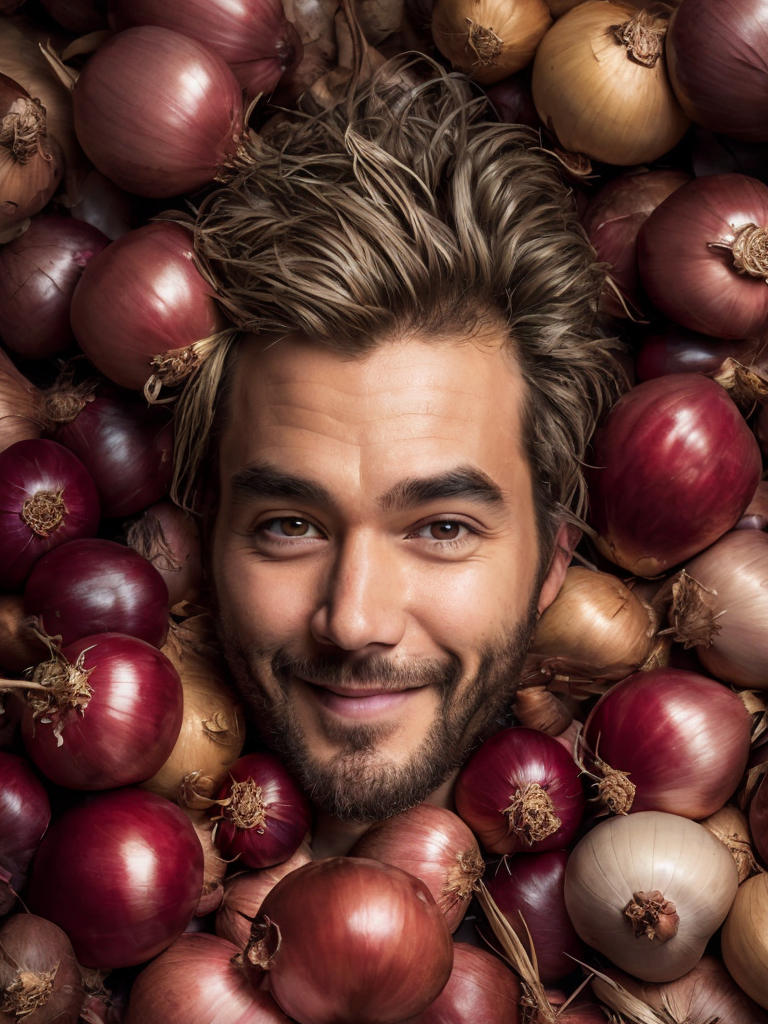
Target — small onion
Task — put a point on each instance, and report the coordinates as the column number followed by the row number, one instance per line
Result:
column 49, row 498
column 94, row 586
column 39, row 977
column 520, row 791
column 648, row 890
column 198, row 980
column 489, row 39
column 168, row 537
column 674, row 465
column 744, row 940
column 25, row 813
column 157, row 112
column 600, row 84
column 121, row 874
column 732, row 829
column 434, row 845
column 351, row 941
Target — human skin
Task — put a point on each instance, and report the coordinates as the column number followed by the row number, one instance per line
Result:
column 345, row 576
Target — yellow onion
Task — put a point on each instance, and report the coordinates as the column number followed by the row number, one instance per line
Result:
column 731, row 827
column 600, row 84
column 745, row 939
column 489, row 39
column 213, row 727
column 214, row 865
column 537, row 708
column 22, row 411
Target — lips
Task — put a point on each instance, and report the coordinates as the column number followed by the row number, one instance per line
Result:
column 359, row 702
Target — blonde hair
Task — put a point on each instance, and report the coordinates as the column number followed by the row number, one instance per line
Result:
column 406, row 208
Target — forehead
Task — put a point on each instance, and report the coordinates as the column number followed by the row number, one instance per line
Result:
column 408, row 406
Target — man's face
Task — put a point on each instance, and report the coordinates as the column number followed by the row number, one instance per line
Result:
column 375, row 559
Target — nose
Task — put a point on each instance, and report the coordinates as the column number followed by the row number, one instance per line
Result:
column 365, row 596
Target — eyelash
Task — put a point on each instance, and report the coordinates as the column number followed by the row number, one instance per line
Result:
column 444, row 544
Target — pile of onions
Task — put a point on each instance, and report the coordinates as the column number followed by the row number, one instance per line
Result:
column 673, row 467
column 121, row 874
column 142, row 311
column 49, row 498
column 38, row 275
column 386, row 951
column 721, row 604
column 489, row 39
column 264, row 815
column 25, row 813
column 711, row 235
column 480, row 988
column 600, row 84
column 157, row 112
column 596, row 628
column 520, row 791
column 197, row 980
column 40, row 979
column 125, row 446
column 30, row 159
column 94, row 586
column 648, row 890
column 104, row 712
column 715, row 60
column 682, row 739
column 168, row 537
column 432, row 844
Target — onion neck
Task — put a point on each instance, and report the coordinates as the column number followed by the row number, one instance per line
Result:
column 531, row 814
column 61, row 687
column 29, row 991
column 44, row 512
column 652, row 916
column 749, row 250
column 23, row 129
column 464, row 875
column 692, row 613
column 643, row 37
column 485, row 44
column 245, row 807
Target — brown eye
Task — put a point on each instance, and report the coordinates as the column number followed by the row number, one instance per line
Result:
column 444, row 530
column 291, row 527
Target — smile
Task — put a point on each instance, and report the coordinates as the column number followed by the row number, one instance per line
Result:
column 359, row 703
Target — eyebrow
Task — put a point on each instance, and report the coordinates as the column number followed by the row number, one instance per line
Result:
column 263, row 480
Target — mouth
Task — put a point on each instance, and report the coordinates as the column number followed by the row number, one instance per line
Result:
column 359, row 702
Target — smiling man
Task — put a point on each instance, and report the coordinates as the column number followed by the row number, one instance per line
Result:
column 390, row 471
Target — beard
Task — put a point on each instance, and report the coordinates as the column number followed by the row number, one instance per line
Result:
column 359, row 784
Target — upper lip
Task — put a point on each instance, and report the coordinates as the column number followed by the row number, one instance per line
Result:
column 357, row 691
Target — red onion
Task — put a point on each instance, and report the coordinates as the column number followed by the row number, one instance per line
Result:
column 264, row 814
column 246, row 891
column 530, row 888
column 157, row 112
column 102, row 204
column 125, row 446
column 39, row 977
column 79, row 16
column 10, row 717
column 432, row 844
column 48, row 499
column 480, row 989
column 142, row 310
column 351, row 941
column 253, row 36
column 98, row 586
column 715, row 55
column 673, row 349
column 197, row 981
column 168, row 537
column 512, row 99
column 683, row 739
column 755, row 515
column 701, row 255
column 109, row 714
column 121, row 874
column 612, row 221
column 25, row 812
column 38, row 274
column 674, row 465
column 520, row 791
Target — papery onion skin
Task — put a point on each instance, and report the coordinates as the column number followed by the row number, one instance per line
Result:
column 672, row 468
column 128, row 726
column 168, row 537
column 386, row 951
column 25, row 812
column 683, row 738
column 215, row 867
column 121, row 873
column 38, row 275
column 641, row 853
column 434, row 845
column 142, row 298
column 517, row 765
column 92, row 586
column 197, row 981
column 40, row 980
column 171, row 118
column 32, row 472
column 693, row 235
column 22, row 416
column 743, row 939
column 730, row 826
column 529, row 888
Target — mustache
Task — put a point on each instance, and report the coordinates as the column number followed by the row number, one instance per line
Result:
column 376, row 670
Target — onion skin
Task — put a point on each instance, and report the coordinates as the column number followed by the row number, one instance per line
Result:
column 530, row 888
column 39, row 977
column 22, row 416
column 196, row 981
column 676, row 350
column 98, row 586
column 434, row 845
column 386, row 951
column 509, row 766
column 732, row 829
column 758, row 821
column 128, row 726
column 672, row 468
column 121, row 874
column 683, row 738
column 168, row 537
column 25, row 813
column 743, row 940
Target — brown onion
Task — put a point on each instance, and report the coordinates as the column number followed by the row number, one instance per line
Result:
column 214, row 869
column 22, row 413
column 732, row 829
column 432, row 844
column 744, row 940
column 39, row 977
